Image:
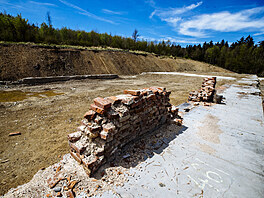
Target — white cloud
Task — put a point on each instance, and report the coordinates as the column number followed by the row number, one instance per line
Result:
column 86, row 13
column 222, row 22
column 172, row 12
column 198, row 26
column 258, row 34
column 151, row 3
column 172, row 20
column 111, row 12
column 42, row 4
column 152, row 14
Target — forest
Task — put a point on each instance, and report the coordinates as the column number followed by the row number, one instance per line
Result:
column 242, row 56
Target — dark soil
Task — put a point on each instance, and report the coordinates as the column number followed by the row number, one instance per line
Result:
column 26, row 60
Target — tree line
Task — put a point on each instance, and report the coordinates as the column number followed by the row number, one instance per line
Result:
column 242, row 56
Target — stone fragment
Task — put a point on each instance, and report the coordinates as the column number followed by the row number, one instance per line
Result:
column 126, row 99
column 104, row 135
column 109, row 127
column 126, row 156
column 52, row 182
column 57, row 189
column 98, row 119
column 178, row 122
column 81, row 128
column 69, row 194
column 72, row 184
column 94, row 128
column 14, row 133
column 73, row 137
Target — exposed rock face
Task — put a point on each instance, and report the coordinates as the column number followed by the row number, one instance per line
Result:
column 206, row 93
column 114, row 121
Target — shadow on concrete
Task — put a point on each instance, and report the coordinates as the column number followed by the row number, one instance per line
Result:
column 143, row 148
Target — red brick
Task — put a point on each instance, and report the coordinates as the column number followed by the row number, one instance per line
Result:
column 136, row 98
column 144, row 92
column 69, row 194
column 97, row 109
column 52, row 182
column 132, row 92
column 163, row 89
column 139, row 103
column 154, row 90
column 102, row 103
column 76, row 148
column 151, row 97
column 112, row 114
column 88, row 161
column 89, row 115
column 76, row 157
column 113, row 99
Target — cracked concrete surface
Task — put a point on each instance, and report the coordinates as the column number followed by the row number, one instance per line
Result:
column 234, row 167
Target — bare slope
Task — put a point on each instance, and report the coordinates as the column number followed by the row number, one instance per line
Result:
column 21, row 60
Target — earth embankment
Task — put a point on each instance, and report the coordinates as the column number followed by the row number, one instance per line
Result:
column 27, row 60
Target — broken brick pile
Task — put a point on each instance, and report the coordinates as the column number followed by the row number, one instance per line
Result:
column 206, row 93
column 114, row 121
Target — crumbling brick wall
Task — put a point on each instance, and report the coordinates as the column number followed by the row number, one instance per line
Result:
column 206, row 93
column 114, row 121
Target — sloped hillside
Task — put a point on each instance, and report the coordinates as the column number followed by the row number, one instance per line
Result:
column 22, row 60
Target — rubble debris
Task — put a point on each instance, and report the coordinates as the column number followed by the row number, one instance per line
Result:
column 114, row 121
column 206, row 93
column 218, row 98
column 14, row 133
column 57, row 189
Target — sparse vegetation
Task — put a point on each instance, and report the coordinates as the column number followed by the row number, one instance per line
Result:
column 243, row 56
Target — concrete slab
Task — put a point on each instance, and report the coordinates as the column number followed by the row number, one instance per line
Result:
column 219, row 154
column 188, row 74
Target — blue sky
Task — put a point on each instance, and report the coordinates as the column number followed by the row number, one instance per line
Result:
column 184, row 22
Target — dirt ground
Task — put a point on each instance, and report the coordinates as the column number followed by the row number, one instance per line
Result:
column 47, row 113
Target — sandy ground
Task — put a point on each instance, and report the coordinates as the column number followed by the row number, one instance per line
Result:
column 47, row 113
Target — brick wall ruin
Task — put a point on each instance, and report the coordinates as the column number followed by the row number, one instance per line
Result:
column 114, row 121
column 206, row 93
